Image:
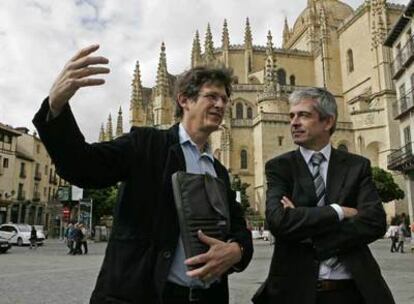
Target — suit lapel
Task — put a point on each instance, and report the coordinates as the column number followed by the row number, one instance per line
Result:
column 337, row 171
column 304, row 176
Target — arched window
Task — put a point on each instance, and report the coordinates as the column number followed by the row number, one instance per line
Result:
column 292, row 80
column 281, row 77
column 239, row 111
column 343, row 147
column 350, row 61
column 243, row 159
column 249, row 113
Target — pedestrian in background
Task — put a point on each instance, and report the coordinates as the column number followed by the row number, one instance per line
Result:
column 402, row 232
column 69, row 235
column 33, row 238
column 77, row 238
column 392, row 233
column 84, row 241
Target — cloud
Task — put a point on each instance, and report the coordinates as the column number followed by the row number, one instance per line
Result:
column 37, row 37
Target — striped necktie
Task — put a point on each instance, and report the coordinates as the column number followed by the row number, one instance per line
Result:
column 316, row 160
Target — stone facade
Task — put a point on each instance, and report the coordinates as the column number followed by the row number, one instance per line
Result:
column 330, row 45
column 401, row 39
column 28, row 180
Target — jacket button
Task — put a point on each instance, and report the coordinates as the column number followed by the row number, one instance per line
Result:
column 166, row 254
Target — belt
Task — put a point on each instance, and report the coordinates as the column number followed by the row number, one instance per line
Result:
column 177, row 291
column 330, row 285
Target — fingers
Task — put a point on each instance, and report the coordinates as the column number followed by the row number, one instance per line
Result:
column 216, row 261
column 196, row 260
column 207, row 240
column 88, row 71
column 86, row 61
column 287, row 203
column 75, row 75
column 85, row 52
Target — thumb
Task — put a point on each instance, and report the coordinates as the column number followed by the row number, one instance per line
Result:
column 206, row 239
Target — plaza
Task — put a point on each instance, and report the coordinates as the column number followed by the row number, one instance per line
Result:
column 49, row 275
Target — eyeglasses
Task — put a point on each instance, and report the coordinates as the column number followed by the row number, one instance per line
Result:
column 214, row 97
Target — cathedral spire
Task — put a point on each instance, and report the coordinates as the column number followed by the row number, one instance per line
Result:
column 162, row 83
column 196, row 51
column 208, row 47
column 225, row 36
column 248, row 40
column 102, row 133
column 108, row 133
column 119, row 123
column 136, row 94
column 269, row 44
column 286, row 32
column 323, row 23
column 270, row 83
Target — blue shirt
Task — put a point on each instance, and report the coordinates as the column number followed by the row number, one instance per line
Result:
column 199, row 163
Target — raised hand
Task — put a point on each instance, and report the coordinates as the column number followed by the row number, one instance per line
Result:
column 75, row 75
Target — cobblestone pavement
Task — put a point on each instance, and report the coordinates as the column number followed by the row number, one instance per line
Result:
column 49, row 275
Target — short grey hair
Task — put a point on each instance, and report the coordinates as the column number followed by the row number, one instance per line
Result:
column 325, row 102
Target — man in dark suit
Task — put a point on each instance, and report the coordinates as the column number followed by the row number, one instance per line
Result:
column 144, row 260
column 323, row 209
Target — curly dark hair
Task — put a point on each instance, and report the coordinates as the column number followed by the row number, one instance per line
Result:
column 191, row 81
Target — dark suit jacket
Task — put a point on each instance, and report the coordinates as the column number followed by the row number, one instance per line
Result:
column 145, row 231
column 308, row 234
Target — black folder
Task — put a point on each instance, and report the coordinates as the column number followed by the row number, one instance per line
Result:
column 201, row 202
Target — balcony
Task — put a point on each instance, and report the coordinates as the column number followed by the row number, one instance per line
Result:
column 396, row 66
column 403, row 59
column 22, row 174
column 38, row 176
column 403, row 105
column 402, row 159
column 21, row 196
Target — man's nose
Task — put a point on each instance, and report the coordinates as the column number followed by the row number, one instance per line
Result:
column 294, row 120
column 220, row 102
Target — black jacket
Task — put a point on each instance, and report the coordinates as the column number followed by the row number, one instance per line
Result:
column 145, row 231
column 309, row 234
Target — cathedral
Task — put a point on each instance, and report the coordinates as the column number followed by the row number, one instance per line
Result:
column 330, row 45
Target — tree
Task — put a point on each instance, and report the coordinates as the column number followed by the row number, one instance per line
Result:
column 387, row 188
column 103, row 201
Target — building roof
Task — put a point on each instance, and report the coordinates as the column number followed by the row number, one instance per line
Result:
column 400, row 24
column 337, row 11
column 9, row 130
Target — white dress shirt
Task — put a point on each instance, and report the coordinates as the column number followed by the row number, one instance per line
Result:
column 329, row 269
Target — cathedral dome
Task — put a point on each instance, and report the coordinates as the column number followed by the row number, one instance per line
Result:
column 335, row 10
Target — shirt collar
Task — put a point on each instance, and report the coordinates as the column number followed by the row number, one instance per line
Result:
column 307, row 154
column 185, row 138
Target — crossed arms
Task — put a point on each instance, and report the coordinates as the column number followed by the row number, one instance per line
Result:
column 321, row 225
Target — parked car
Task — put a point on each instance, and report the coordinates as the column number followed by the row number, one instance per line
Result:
column 4, row 245
column 19, row 234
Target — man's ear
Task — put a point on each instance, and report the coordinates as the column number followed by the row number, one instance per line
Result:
column 330, row 122
column 183, row 101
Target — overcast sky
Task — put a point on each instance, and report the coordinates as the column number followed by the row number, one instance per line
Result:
column 37, row 37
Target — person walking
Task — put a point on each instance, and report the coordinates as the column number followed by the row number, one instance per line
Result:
column 392, row 234
column 33, row 238
column 401, row 237
column 84, row 241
